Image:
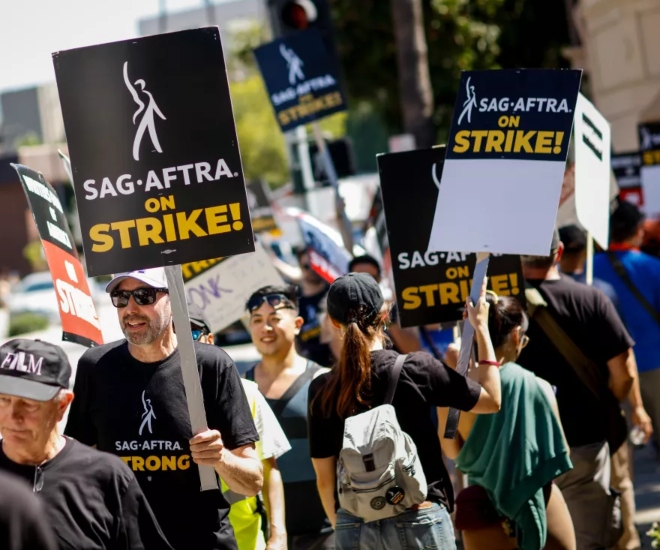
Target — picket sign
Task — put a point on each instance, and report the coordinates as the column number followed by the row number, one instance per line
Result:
column 508, row 144
column 467, row 338
column 148, row 196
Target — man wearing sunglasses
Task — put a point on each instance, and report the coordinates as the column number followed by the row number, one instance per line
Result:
column 246, row 513
column 130, row 401
column 283, row 377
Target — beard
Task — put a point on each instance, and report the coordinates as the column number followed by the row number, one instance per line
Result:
column 154, row 328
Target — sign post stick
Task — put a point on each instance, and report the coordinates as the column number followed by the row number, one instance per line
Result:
column 467, row 337
column 590, row 259
column 189, row 370
column 344, row 223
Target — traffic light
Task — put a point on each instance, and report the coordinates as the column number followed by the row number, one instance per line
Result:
column 289, row 16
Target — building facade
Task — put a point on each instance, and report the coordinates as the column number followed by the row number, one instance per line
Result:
column 620, row 41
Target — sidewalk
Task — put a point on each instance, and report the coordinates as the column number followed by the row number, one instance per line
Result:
column 647, row 491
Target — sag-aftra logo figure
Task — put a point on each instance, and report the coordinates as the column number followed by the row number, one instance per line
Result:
column 147, row 121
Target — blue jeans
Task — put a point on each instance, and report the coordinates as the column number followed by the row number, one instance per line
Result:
column 426, row 528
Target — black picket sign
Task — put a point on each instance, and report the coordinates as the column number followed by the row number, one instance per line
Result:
column 155, row 158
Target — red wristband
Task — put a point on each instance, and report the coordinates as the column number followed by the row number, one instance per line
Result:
column 488, row 362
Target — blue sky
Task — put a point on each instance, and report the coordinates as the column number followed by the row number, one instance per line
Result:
column 30, row 30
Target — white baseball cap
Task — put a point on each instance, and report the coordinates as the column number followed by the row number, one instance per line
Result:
column 154, row 277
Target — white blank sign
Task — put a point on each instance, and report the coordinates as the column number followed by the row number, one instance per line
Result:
column 592, row 170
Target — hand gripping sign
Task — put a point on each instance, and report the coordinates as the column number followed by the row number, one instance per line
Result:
column 156, row 165
column 80, row 323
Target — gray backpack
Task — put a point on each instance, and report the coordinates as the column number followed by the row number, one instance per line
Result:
column 379, row 474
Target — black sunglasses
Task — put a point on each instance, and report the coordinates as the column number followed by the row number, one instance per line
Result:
column 142, row 296
column 274, row 300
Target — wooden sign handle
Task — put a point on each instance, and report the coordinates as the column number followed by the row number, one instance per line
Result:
column 189, row 370
column 467, row 338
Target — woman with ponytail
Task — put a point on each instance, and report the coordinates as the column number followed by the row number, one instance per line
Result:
column 358, row 383
column 511, row 457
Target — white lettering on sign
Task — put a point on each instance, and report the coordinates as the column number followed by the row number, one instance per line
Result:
column 417, row 259
column 71, row 271
column 42, row 190
column 303, row 88
column 126, row 184
column 523, row 105
column 76, row 302
column 16, row 361
column 59, row 235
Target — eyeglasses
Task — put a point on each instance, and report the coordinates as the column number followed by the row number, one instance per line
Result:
column 524, row 341
column 273, row 300
column 142, row 296
column 198, row 333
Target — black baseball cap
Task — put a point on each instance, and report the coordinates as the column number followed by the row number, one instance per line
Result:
column 354, row 296
column 33, row 369
column 197, row 317
column 573, row 237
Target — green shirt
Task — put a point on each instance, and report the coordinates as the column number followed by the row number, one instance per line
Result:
column 514, row 453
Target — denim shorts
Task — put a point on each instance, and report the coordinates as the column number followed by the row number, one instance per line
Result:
column 427, row 528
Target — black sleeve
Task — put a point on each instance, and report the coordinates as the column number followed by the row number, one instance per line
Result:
column 613, row 338
column 441, row 385
column 321, row 431
column 79, row 424
column 23, row 524
column 231, row 412
column 138, row 528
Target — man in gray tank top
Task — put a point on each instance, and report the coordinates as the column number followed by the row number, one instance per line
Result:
column 283, row 377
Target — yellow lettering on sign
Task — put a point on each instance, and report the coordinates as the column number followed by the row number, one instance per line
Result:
column 180, row 226
column 509, row 141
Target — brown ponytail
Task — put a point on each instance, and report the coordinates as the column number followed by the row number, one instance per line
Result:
column 349, row 384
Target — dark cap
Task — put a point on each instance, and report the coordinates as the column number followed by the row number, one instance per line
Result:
column 354, row 297
column 625, row 219
column 573, row 237
column 197, row 317
column 33, row 369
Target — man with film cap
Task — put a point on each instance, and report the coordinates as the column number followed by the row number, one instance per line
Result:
column 91, row 499
column 132, row 402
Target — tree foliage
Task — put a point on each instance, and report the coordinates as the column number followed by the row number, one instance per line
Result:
column 461, row 35
column 261, row 142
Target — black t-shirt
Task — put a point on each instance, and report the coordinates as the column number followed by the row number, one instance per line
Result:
column 590, row 320
column 23, row 521
column 424, row 383
column 308, row 342
column 138, row 411
column 92, row 500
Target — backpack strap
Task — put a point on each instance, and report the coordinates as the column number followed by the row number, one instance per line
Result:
column 585, row 369
column 625, row 277
column 394, row 379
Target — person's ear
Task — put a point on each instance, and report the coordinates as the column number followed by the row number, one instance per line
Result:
column 63, row 404
column 515, row 336
column 560, row 252
column 334, row 322
column 210, row 338
column 299, row 321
